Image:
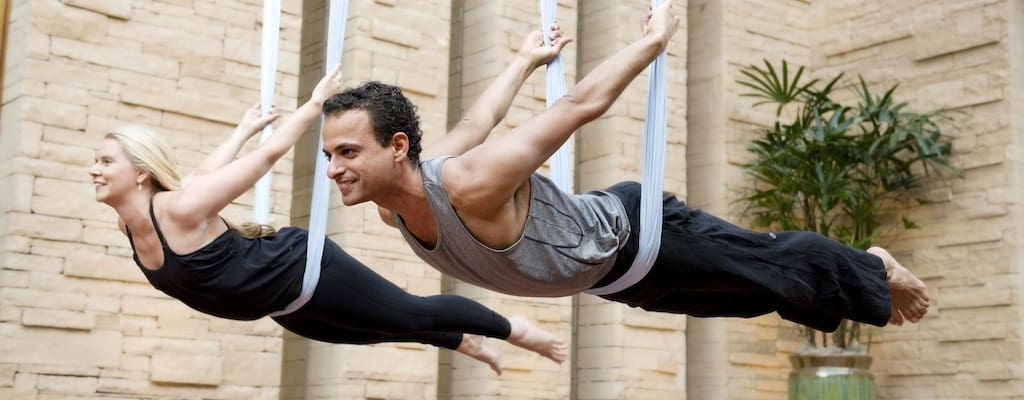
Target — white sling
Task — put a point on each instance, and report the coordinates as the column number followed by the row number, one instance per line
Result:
column 652, row 181
column 337, row 16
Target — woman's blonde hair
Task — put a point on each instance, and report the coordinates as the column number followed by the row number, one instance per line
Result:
column 149, row 152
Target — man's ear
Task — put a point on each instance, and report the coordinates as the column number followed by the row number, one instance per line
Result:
column 400, row 145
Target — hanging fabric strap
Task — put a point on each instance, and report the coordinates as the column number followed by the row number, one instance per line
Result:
column 561, row 168
column 337, row 16
column 268, row 82
column 653, row 177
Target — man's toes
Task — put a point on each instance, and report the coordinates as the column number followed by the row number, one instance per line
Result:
column 922, row 311
column 896, row 318
column 921, row 308
column 915, row 312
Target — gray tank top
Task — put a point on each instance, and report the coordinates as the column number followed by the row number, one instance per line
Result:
column 569, row 243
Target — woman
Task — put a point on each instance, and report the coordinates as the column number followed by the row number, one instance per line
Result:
column 189, row 252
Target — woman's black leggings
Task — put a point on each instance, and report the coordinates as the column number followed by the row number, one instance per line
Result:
column 354, row 305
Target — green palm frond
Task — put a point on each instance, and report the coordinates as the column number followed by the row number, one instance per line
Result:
column 772, row 87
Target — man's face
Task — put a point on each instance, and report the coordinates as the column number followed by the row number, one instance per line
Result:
column 359, row 165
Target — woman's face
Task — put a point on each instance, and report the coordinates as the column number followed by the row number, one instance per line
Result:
column 113, row 175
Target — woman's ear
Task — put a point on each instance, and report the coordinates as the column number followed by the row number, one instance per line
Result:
column 141, row 177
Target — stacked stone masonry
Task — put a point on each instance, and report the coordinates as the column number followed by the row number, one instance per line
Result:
column 79, row 321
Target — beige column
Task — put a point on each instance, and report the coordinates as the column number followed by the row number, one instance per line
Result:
column 1016, row 56
column 1016, row 44
column 398, row 45
column 486, row 35
column 727, row 357
column 707, row 339
column 625, row 353
column 16, row 141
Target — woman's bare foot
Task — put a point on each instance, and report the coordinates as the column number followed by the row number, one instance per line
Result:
column 528, row 336
column 909, row 294
column 473, row 346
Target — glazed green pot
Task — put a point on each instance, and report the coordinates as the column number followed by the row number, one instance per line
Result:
column 831, row 377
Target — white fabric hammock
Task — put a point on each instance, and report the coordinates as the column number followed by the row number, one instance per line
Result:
column 337, row 16
column 653, row 178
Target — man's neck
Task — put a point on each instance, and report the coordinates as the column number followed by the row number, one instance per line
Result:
column 409, row 202
column 406, row 197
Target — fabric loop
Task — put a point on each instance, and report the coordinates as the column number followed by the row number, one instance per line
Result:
column 337, row 17
column 653, row 177
column 560, row 164
column 268, row 81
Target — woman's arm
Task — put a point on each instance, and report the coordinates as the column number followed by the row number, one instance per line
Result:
column 252, row 122
column 208, row 194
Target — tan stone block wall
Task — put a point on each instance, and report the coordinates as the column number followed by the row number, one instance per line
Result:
column 485, row 40
column 1016, row 50
column 954, row 55
column 752, row 32
column 853, row 37
column 623, row 352
column 77, row 318
column 734, row 358
column 407, row 45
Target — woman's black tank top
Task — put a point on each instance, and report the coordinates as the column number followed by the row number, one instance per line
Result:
column 233, row 277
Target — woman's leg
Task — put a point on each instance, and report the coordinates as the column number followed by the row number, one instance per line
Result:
column 312, row 327
column 317, row 328
column 352, row 296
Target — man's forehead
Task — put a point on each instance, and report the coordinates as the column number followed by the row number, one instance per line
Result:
column 346, row 138
column 348, row 127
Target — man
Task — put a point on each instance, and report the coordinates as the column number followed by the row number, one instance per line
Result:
column 482, row 215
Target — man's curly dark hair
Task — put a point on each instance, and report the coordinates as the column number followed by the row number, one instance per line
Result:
column 388, row 109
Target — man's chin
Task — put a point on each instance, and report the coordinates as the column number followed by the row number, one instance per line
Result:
column 350, row 200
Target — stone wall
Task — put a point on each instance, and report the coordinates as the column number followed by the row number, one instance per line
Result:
column 624, row 352
column 78, row 320
column 484, row 42
column 407, row 45
column 731, row 358
column 954, row 55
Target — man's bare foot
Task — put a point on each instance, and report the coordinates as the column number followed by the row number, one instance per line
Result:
column 473, row 346
column 528, row 336
column 909, row 294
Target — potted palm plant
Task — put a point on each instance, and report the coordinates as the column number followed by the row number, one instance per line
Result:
column 835, row 169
